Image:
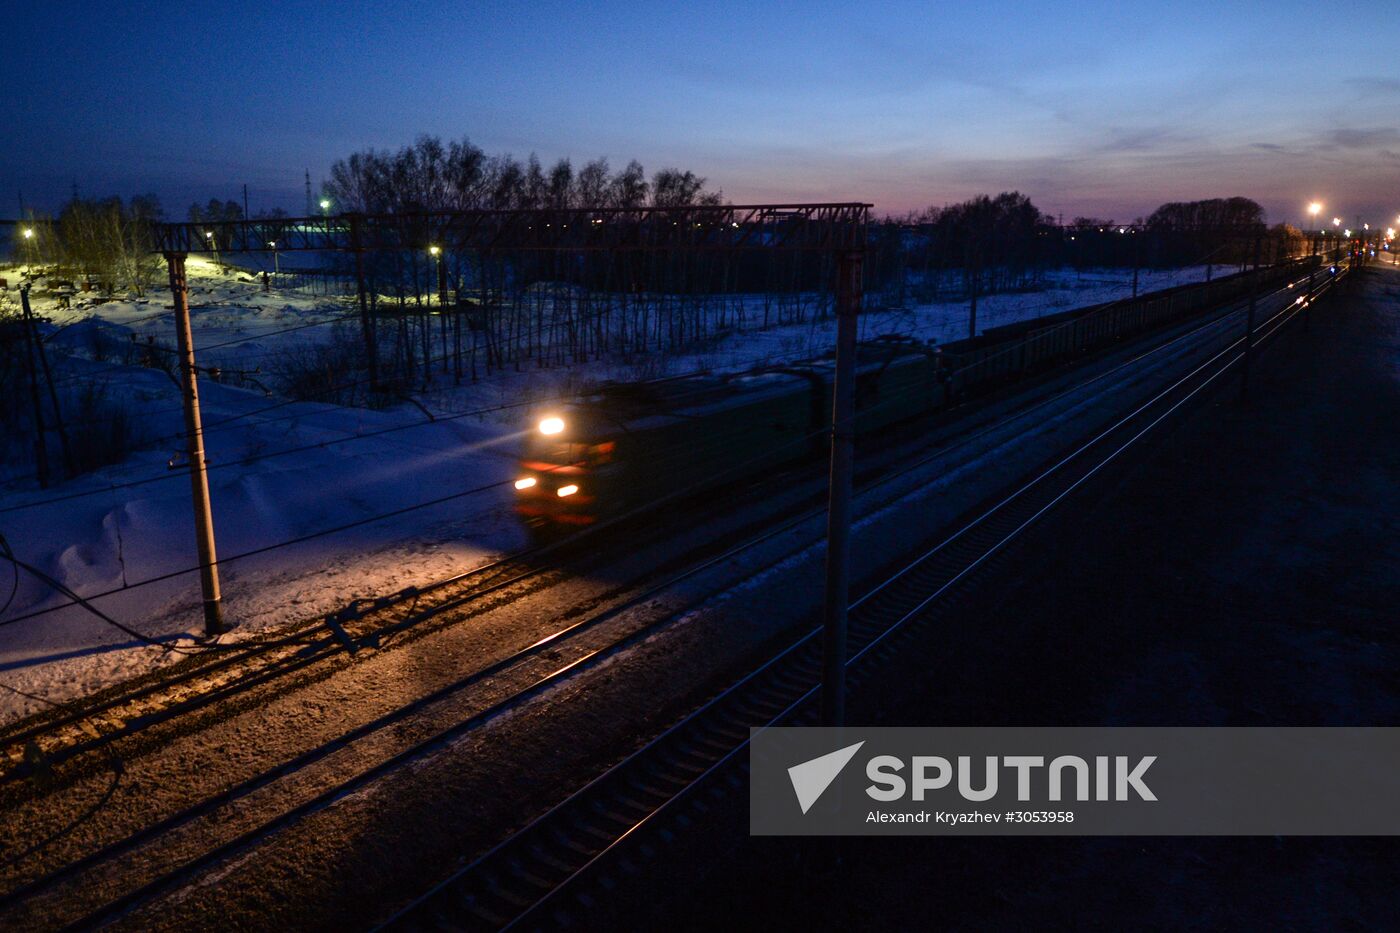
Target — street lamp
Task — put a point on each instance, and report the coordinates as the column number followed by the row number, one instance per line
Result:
column 435, row 251
column 276, row 268
column 1314, row 209
column 29, row 233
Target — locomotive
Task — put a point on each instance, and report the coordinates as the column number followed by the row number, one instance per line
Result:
column 634, row 445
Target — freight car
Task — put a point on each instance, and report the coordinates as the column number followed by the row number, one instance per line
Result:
column 632, row 445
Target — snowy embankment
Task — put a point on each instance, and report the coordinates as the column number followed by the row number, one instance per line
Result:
column 283, row 471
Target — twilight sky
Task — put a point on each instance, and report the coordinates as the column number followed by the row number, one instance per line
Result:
column 1105, row 108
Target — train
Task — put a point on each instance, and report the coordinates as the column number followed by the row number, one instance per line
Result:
column 632, row 446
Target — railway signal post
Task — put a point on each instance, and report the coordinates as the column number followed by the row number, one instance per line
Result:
column 838, row 523
column 194, row 449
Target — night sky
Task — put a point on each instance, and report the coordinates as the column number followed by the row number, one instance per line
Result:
column 1105, row 108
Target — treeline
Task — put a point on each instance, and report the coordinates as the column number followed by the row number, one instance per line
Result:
column 1005, row 243
column 432, row 175
column 106, row 241
column 989, row 244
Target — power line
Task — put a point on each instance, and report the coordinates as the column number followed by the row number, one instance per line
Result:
column 75, row 600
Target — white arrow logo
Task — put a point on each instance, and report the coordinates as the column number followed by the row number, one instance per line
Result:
column 811, row 778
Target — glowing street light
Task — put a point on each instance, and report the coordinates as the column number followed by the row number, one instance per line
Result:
column 325, row 204
column 276, row 267
column 1314, row 209
column 1336, row 221
column 435, row 251
column 29, row 233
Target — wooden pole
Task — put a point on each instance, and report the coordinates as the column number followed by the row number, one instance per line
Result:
column 194, row 447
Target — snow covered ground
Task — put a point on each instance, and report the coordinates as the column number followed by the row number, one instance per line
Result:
column 281, row 471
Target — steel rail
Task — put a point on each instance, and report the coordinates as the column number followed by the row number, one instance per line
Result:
column 583, row 662
column 331, row 644
column 476, row 892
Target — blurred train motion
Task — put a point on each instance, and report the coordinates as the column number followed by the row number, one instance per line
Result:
column 633, row 445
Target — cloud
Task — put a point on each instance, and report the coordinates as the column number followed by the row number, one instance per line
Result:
column 1364, row 138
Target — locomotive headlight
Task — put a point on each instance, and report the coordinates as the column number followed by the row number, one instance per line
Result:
column 551, row 425
column 566, row 491
column 525, row 482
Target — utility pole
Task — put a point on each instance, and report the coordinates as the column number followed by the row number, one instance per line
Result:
column 366, row 325
column 442, row 305
column 1249, row 323
column 48, row 378
column 838, row 521
column 1137, row 261
column 41, row 453
column 972, row 308
column 308, row 192
column 246, row 215
column 1307, row 295
column 194, row 448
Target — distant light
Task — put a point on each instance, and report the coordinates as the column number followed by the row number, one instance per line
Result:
column 434, row 250
column 1346, row 233
column 1122, row 230
column 272, row 244
column 1315, row 208
column 1336, row 221
column 1365, row 226
column 325, row 205
column 563, row 491
column 525, row 482
column 551, row 425
column 29, row 233
column 208, row 234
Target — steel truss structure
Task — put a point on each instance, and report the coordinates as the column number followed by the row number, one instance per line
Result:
column 821, row 228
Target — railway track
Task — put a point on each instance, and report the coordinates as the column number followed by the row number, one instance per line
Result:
column 530, row 680
column 218, row 674
column 552, row 872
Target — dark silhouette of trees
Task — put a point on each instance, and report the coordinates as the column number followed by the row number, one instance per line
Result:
column 1216, row 230
column 431, row 175
column 109, row 242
